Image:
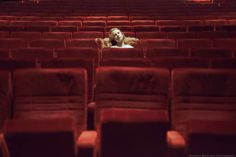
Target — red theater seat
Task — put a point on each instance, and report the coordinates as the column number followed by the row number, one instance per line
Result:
column 181, row 35
column 200, row 28
column 75, row 63
column 26, row 35
column 229, row 43
column 202, row 94
column 4, row 53
column 5, row 88
column 131, row 88
column 142, row 22
column 127, row 62
column 154, row 43
column 87, row 34
column 92, row 28
column 146, row 28
column 56, row 35
column 81, row 43
column 211, row 137
column 12, row 43
column 94, row 23
column 223, row 63
column 151, row 35
column 133, row 132
column 47, row 43
column 179, row 62
column 122, row 53
column 153, row 53
column 213, row 35
column 40, row 137
column 64, row 29
column 78, row 53
column 230, row 27
column 211, row 53
column 195, row 43
column 70, row 22
column 13, row 64
column 53, row 94
column 4, row 34
column 36, row 53
column 172, row 28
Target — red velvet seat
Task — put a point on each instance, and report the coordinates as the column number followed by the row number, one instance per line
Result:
column 202, row 94
column 56, row 35
column 5, row 88
column 35, row 53
column 81, row 43
column 153, row 53
column 123, row 87
column 4, row 34
column 92, row 28
column 13, row 64
column 181, row 35
column 53, row 94
column 172, row 28
column 40, row 137
column 26, row 35
column 151, row 35
column 223, row 63
column 225, row 43
column 133, row 132
column 64, row 28
column 12, row 43
column 179, row 62
column 126, row 62
column 75, row 63
column 122, row 53
column 94, row 23
column 87, row 34
column 145, row 28
column 78, row 53
column 195, row 43
column 4, row 53
column 117, row 23
column 142, row 22
column 70, row 23
column 158, row 43
column 47, row 43
column 211, row 53
column 212, row 137
column 200, row 28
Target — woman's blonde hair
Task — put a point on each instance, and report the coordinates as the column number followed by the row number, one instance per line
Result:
column 108, row 42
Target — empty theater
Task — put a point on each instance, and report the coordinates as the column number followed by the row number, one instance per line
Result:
column 117, row 78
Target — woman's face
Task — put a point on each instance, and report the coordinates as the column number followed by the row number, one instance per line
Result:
column 117, row 35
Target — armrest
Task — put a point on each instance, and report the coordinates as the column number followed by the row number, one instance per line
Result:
column 176, row 144
column 86, row 144
column 3, row 146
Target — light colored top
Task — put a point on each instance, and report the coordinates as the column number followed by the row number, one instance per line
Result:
column 124, row 46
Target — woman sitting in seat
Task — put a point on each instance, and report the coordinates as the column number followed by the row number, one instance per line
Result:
column 117, row 39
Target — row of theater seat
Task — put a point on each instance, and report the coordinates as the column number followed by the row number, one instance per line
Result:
column 135, row 110
column 122, row 26
column 143, row 43
column 30, row 35
column 40, row 53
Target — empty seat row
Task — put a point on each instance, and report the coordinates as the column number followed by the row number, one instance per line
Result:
column 135, row 28
column 127, row 100
column 144, row 43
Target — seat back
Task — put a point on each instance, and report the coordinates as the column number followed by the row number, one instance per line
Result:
column 50, row 93
column 202, row 94
column 126, row 87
